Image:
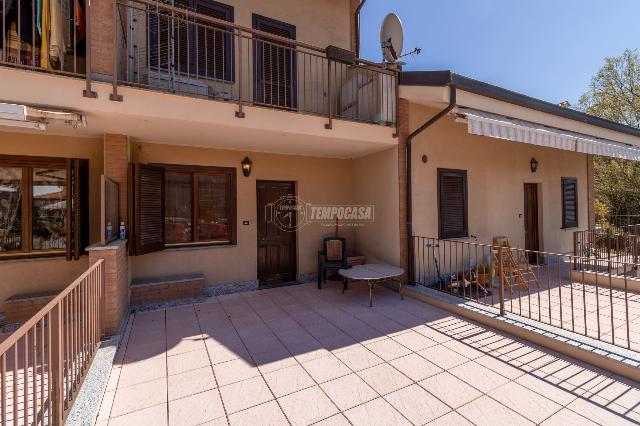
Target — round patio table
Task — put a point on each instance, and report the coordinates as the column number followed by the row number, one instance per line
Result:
column 374, row 273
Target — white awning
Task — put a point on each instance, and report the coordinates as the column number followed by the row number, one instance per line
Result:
column 503, row 127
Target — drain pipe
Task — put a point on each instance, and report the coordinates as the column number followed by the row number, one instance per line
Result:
column 426, row 125
column 357, row 19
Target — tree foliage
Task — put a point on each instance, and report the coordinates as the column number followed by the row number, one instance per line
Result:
column 614, row 94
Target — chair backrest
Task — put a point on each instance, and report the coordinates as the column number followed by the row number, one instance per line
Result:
column 335, row 248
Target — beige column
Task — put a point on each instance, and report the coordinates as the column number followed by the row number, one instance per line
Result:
column 403, row 133
column 116, row 164
column 591, row 193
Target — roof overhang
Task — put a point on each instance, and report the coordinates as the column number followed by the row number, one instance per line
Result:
column 428, row 88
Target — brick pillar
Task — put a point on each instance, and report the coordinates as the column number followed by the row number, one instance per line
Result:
column 116, row 163
column 116, row 282
column 403, row 133
column 101, row 39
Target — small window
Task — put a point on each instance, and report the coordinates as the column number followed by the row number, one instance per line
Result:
column 43, row 206
column 569, row 202
column 452, row 203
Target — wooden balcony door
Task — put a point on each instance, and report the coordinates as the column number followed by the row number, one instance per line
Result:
column 276, row 246
column 274, row 65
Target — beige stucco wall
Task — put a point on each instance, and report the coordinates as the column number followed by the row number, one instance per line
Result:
column 318, row 181
column 496, row 173
column 317, row 23
column 36, row 275
column 375, row 181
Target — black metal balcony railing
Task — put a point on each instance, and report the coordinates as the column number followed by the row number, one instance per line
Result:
column 176, row 50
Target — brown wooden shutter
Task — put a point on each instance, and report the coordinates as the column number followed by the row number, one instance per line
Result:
column 569, row 202
column 77, row 207
column 214, row 43
column 148, row 206
column 275, row 72
column 452, row 203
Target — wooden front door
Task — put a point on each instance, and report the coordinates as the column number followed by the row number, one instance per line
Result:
column 531, row 235
column 276, row 243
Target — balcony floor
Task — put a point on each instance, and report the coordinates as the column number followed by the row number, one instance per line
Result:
column 296, row 355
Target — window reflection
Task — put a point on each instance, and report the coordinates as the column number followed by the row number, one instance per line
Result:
column 49, row 208
column 213, row 206
column 177, row 208
column 10, row 208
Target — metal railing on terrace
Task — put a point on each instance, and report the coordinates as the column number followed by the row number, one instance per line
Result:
column 601, row 248
column 541, row 286
column 180, row 51
column 43, row 363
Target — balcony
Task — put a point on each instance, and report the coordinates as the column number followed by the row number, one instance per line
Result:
column 55, row 43
column 175, row 50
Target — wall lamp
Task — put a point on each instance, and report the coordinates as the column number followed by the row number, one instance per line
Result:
column 246, row 166
column 534, row 165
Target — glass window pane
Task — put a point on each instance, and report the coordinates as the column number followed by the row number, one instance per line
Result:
column 213, row 216
column 177, row 208
column 10, row 208
column 49, row 209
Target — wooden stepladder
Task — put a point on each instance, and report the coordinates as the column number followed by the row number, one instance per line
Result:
column 515, row 272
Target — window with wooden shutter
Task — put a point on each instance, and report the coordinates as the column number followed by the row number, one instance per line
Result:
column 192, row 47
column 275, row 71
column 452, row 203
column 44, row 206
column 569, row 202
column 148, row 208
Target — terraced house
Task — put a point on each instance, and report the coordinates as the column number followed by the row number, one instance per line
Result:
column 162, row 151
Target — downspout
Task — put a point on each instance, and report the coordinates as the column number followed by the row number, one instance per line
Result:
column 357, row 19
column 426, row 125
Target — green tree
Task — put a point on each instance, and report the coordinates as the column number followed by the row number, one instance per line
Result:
column 614, row 94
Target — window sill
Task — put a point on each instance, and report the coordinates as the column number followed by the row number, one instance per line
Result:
column 197, row 246
column 21, row 257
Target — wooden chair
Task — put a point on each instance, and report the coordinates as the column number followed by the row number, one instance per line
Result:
column 333, row 256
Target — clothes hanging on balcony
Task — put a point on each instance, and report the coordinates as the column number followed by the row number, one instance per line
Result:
column 17, row 21
column 18, row 11
column 54, row 34
column 79, row 16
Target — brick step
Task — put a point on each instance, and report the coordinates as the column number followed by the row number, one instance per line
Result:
column 164, row 289
column 20, row 307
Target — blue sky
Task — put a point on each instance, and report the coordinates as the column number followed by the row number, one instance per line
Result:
column 548, row 49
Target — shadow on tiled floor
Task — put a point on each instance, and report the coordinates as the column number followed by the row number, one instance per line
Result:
column 296, row 355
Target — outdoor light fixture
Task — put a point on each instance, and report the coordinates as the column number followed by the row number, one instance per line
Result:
column 246, row 166
column 534, row 165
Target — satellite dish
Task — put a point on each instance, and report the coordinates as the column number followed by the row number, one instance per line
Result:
column 391, row 38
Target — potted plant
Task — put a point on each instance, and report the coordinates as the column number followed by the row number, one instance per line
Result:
column 484, row 274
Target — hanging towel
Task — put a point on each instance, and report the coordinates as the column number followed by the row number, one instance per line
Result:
column 81, row 26
column 44, row 45
column 39, row 16
column 56, row 34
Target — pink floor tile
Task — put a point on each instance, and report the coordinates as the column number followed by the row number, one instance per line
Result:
column 348, row 391
column 137, row 397
column 307, row 406
column 268, row 414
column 196, row 409
column 191, row 382
column 248, row 393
